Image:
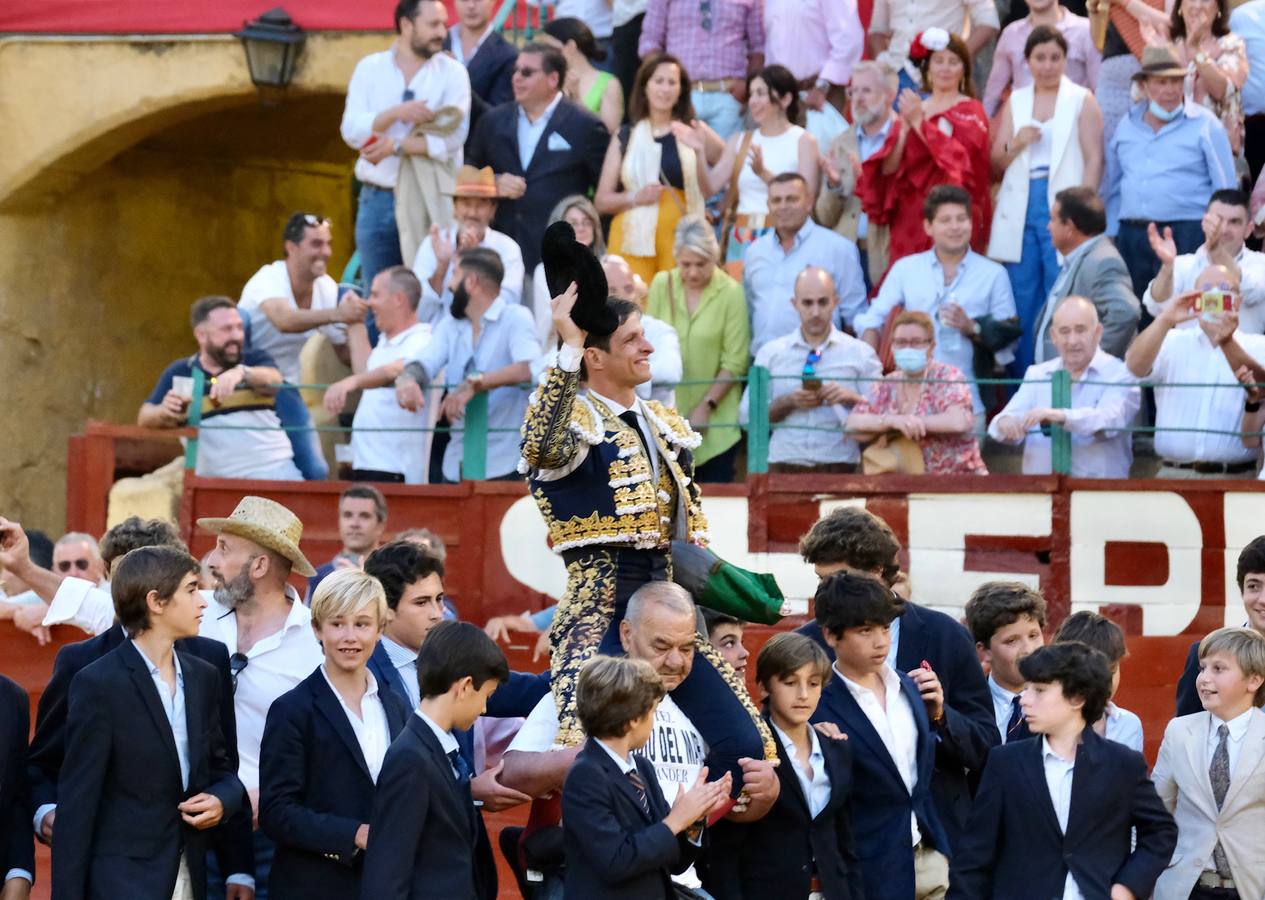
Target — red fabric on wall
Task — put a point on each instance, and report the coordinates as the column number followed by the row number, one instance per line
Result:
column 187, row 16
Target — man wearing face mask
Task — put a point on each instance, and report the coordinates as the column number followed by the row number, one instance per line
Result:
column 1097, row 413
column 1166, row 156
column 482, row 344
column 1225, row 226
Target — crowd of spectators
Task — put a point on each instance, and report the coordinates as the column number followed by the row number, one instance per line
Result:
column 730, row 164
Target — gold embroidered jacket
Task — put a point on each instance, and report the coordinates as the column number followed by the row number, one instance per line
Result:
column 592, row 479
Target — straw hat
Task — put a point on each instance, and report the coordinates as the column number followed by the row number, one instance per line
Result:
column 268, row 524
column 1161, row 62
column 477, row 183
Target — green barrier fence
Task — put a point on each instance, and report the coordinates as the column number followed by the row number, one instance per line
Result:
column 476, row 428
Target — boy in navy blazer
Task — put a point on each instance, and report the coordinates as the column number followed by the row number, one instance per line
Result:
column 901, row 845
column 424, row 826
column 622, row 840
column 1007, row 620
column 803, row 845
column 1057, row 813
column 146, row 763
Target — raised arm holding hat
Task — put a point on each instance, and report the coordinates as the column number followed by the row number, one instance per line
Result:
column 613, row 476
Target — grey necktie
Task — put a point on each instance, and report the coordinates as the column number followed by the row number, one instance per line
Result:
column 1219, row 775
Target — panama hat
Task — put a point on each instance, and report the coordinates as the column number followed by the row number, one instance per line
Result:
column 476, row 183
column 1160, row 61
column 268, row 524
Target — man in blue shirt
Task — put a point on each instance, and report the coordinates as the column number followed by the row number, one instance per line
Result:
column 1165, row 160
column 481, row 344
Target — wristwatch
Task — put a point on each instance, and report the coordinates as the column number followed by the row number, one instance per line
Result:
column 396, row 146
column 245, row 373
column 475, row 380
column 822, row 85
column 1201, row 58
column 711, row 404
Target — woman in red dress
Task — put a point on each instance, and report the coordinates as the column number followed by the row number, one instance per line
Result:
column 939, row 139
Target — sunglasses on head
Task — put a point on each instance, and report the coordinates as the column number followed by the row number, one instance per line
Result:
column 314, row 220
column 66, row 565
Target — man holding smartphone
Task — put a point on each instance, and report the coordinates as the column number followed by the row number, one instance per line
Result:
column 818, row 373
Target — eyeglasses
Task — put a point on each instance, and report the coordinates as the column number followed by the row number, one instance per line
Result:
column 525, row 71
column 911, row 342
column 236, row 663
column 705, row 10
column 67, row 564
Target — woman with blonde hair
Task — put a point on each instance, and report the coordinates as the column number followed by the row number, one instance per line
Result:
column 323, row 746
column 708, row 309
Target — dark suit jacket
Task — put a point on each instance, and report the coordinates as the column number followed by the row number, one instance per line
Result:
column 881, row 804
column 315, row 790
column 551, row 174
column 1102, row 277
column 17, row 846
column 119, row 833
column 1187, row 696
column 778, row 855
column 515, row 697
column 1015, row 849
column 615, row 850
column 969, row 729
column 231, row 840
column 422, row 832
column 490, row 71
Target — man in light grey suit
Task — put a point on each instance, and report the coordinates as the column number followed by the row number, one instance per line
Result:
column 1093, row 268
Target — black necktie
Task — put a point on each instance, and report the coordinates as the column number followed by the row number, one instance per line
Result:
column 640, row 787
column 461, row 766
column 1016, row 719
column 630, row 419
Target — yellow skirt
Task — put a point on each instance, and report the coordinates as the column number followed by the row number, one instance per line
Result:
column 671, row 207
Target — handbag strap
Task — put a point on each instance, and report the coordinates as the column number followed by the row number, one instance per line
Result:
column 730, row 201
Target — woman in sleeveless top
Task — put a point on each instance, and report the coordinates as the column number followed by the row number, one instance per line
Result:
column 1216, row 64
column 650, row 177
column 597, row 91
column 776, row 145
column 1049, row 137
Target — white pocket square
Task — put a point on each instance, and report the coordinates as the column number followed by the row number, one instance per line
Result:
column 557, row 142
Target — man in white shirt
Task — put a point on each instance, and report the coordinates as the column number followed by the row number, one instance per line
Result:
column 818, row 374
column 1226, row 225
column 473, row 206
column 1168, row 355
column 1098, row 412
column 285, row 303
column 959, row 289
column 394, row 95
column 658, row 627
column 380, row 450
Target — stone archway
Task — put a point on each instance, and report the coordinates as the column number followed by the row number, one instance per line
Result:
column 140, row 175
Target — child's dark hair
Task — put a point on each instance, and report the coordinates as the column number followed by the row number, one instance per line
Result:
column 612, row 692
column 454, row 650
column 146, row 569
column 1251, row 559
column 1082, row 672
column 1095, row 631
column 713, row 620
column 785, row 653
column 399, row 564
column 844, row 601
column 855, row 537
column 996, row 604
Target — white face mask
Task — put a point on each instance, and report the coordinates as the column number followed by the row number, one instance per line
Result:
column 910, row 359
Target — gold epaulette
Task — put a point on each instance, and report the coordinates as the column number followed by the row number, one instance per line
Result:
column 674, row 427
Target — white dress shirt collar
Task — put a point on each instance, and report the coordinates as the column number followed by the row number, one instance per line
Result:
column 625, row 765
column 815, row 783
column 372, row 732
column 173, row 706
column 447, row 742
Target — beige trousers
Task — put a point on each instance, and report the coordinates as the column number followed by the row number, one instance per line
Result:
column 184, row 886
column 931, row 874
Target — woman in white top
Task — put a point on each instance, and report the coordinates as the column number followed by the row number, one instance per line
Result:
column 1048, row 137
column 776, row 145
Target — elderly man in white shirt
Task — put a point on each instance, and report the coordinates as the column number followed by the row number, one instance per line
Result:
column 391, row 94
column 818, row 375
column 1226, row 225
column 473, row 206
column 1099, row 412
column 1197, row 428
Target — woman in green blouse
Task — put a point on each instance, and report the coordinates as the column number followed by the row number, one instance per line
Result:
column 709, row 312
column 597, row 91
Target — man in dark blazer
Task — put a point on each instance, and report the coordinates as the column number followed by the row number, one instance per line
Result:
column 488, row 57
column 882, row 803
column 315, row 790
column 852, row 539
column 17, row 848
column 1092, row 268
column 542, row 147
column 765, row 858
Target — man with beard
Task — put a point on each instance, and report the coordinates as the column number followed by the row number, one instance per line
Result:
column 410, row 101
column 490, row 343
column 239, row 393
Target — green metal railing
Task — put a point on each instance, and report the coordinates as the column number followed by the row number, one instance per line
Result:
column 758, row 383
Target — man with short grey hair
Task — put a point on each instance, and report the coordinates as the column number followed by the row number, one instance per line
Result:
column 78, row 554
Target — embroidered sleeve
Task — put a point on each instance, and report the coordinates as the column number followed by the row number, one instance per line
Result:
column 548, row 439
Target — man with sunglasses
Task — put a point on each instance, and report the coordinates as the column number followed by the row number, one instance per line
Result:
column 818, row 374
column 76, row 553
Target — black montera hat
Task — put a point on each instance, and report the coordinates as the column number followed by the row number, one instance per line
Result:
column 566, row 260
